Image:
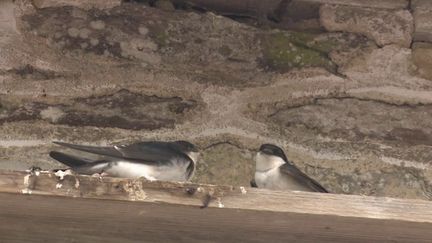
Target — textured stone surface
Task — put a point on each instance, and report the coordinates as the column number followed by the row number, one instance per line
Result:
column 423, row 25
column 381, row 4
column 353, row 119
column 7, row 18
column 422, row 12
column 164, row 5
column 352, row 115
column 421, row 4
column 85, row 4
column 422, row 57
column 300, row 15
column 122, row 109
column 384, row 26
column 388, row 66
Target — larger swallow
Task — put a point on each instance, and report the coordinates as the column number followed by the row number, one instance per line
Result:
column 274, row 171
column 153, row 160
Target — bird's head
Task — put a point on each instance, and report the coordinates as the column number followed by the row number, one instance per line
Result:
column 187, row 148
column 269, row 157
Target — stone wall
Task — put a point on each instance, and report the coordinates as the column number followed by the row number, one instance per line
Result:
column 347, row 91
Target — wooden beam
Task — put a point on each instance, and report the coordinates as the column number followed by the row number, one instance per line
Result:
column 32, row 218
column 46, row 207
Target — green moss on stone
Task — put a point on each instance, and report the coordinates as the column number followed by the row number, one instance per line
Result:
column 283, row 52
column 310, row 40
column 161, row 38
column 158, row 34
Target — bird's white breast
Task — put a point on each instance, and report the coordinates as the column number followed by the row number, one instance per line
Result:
column 275, row 180
column 268, row 174
column 174, row 172
column 130, row 170
column 265, row 162
column 268, row 179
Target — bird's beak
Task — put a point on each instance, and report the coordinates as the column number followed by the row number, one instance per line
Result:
column 194, row 156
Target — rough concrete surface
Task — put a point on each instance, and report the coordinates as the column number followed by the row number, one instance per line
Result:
column 353, row 110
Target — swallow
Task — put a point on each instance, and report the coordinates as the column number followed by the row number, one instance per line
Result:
column 274, row 171
column 153, row 160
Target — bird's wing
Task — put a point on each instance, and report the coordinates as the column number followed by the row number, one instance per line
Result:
column 69, row 160
column 145, row 152
column 294, row 172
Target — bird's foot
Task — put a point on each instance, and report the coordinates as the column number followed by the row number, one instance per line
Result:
column 100, row 175
column 206, row 201
column 34, row 170
column 149, row 178
column 62, row 173
column 253, row 183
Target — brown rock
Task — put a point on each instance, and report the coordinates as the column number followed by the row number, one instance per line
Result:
column 391, row 65
column 384, row 4
column 100, row 4
column 7, row 18
column 422, row 58
column 423, row 20
column 383, row 26
column 416, row 4
column 164, row 5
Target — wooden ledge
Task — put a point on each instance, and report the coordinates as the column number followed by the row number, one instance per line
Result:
column 68, row 202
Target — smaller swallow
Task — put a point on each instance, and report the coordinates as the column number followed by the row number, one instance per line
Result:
column 274, row 171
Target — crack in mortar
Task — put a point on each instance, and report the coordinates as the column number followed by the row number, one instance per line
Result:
column 314, row 101
column 221, row 143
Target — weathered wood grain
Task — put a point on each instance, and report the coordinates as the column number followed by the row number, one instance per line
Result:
column 44, row 207
column 190, row 194
column 33, row 218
